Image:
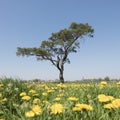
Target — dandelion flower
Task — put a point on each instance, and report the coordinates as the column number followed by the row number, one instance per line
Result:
column 36, row 100
column 79, row 107
column 116, row 103
column 61, row 85
column 103, row 83
column 30, row 114
column 44, row 94
column 37, row 109
column 105, row 98
column 0, row 95
column 1, row 85
column 23, row 94
column 57, row 99
column 57, row 108
column 108, row 106
column 73, row 99
column 118, row 83
column 32, row 91
column 26, row 98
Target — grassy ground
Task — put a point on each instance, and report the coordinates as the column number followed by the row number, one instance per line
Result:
column 21, row 100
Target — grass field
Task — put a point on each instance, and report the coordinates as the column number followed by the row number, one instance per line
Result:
column 21, row 100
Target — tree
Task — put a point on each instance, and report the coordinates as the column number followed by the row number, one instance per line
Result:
column 58, row 47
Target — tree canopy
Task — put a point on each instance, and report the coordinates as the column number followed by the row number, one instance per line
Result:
column 59, row 45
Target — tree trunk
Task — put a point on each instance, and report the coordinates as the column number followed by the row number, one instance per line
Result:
column 61, row 76
column 60, row 66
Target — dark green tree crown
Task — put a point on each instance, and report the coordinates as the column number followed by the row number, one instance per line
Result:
column 60, row 43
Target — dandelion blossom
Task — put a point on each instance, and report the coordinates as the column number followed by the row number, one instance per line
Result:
column 30, row 114
column 73, row 99
column 105, row 98
column 37, row 109
column 57, row 108
column 79, row 107
column 23, row 94
column 26, row 98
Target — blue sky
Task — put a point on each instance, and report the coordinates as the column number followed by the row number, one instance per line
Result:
column 25, row 23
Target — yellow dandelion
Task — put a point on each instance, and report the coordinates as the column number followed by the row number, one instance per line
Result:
column 44, row 94
column 77, row 109
column 105, row 98
column 57, row 99
column 60, row 95
column 35, row 94
column 32, row 91
column 0, row 95
column 103, row 83
column 116, row 103
column 37, row 109
column 108, row 106
column 36, row 100
column 45, row 101
column 61, row 85
column 23, row 94
column 84, row 106
column 30, row 114
column 1, row 85
column 89, row 96
column 118, row 83
column 3, row 100
column 73, row 99
column 101, row 86
column 57, row 108
column 50, row 91
column 26, row 98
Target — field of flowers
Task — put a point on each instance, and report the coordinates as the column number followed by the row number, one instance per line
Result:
column 52, row 101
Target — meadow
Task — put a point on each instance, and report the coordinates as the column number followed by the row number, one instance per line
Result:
column 93, row 100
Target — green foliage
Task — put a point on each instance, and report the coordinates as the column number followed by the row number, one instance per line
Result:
column 60, row 43
column 107, row 78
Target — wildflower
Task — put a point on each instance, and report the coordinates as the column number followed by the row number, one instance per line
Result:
column 36, row 100
column 116, row 103
column 118, row 83
column 103, row 83
column 73, row 99
column 46, row 87
column 101, row 86
column 88, row 96
column 61, row 85
column 49, row 91
column 60, row 95
column 57, row 108
column 3, row 100
column 0, row 95
column 32, row 91
column 108, row 106
column 26, row 98
column 37, row 109
column 45, row 101
column 57, row 99
column 44, row 94
column 105, row 98
column 23, row 94
column 30, row 114
column 80, row 107
column 1, row 85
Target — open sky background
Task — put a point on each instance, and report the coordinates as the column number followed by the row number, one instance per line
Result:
column 25, row 23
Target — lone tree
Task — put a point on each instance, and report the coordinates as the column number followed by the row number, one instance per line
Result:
column 58, row 47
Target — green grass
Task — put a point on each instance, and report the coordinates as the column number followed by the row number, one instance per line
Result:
column 13, row 107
